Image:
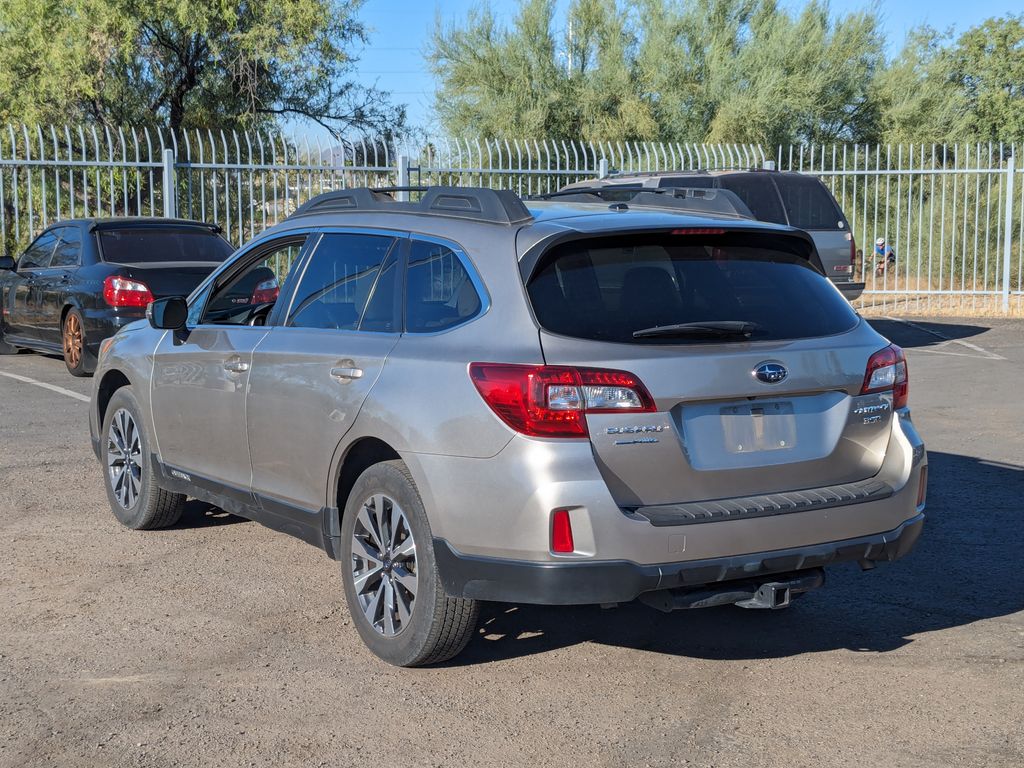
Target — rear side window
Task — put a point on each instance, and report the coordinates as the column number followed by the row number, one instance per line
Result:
column 605, row 289
column 693, row 182
column 758, row 192
column 150, row 245
column 808, row 203
column 69, row 248
column 439, row 293
column 349, row 285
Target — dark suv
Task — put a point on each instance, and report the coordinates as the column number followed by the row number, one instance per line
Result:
column 781, row 197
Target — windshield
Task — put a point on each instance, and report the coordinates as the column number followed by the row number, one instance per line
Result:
column 725, row 287
column 150, row 245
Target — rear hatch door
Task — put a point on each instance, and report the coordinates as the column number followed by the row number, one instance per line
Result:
column 773, row 408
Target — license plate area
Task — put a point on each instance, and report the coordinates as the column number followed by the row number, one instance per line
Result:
column 758, row 427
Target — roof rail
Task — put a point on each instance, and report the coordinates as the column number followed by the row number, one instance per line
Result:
column 692, row 199
column 496, row 206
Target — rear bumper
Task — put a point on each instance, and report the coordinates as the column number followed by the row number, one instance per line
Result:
column 578, row 583
column 100, row 324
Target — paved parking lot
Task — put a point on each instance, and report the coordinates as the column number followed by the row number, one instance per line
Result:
column 220, row 643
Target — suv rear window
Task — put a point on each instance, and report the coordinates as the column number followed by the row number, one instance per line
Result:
column 808, row 202
column 135, row 245
column 605, row 289
column 758, row 192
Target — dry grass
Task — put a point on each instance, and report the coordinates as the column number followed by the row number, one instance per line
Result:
column 874, row 305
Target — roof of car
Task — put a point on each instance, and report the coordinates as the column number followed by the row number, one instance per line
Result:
column 117, row 222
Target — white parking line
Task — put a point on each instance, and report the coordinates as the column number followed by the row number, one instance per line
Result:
column 946, row 341
column 44, row 385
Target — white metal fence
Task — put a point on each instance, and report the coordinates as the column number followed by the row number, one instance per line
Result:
column 954, row 214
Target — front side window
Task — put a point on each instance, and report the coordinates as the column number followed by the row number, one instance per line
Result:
column 349, row 284
column 439, row 293
column 249, row 297
column 39, row 253
column 608, row 289
column 69, row 248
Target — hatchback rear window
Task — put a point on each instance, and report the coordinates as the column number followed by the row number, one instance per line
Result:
column 808, row 203
column 606, row 289
column 135, row 245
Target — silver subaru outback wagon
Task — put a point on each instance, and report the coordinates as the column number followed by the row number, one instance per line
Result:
column 469, row 397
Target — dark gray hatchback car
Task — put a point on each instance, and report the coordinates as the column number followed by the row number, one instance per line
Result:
column 470, row 398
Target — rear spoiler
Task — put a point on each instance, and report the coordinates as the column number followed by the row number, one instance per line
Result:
column 98, row 226
column 791, row 236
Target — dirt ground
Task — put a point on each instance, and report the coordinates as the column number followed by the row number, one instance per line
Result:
column 221, row 643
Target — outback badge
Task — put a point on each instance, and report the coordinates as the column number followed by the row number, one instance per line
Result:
column 770, row 373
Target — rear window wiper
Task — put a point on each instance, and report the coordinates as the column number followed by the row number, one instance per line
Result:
column 709, row 329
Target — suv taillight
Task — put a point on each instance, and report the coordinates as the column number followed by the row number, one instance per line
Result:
column 122, row 292
column 553, row 400
column 887, row 370
column 853, row 255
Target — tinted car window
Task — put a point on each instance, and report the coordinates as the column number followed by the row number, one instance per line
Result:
column 694, row 182
column 137, row 245
column 758, row 192
column 339, row 289
column 439, row 292
column 607, row 288
column 69, row 248
column 249, row 297
column 39, row 253
column 808, row 203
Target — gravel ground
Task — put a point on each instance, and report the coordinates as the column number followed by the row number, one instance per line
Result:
column 220, row 643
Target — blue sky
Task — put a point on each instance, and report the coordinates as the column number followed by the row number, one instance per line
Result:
column 399, row 31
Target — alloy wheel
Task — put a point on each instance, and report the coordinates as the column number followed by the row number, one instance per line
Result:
column 384, row 564
column 124, row 458
column 73, row 340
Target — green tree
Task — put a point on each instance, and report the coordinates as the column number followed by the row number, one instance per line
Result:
column 989, row 62
column 189, row 64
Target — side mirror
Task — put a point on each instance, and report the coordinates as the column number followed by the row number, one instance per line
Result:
column 6, row 262
column 167, row 314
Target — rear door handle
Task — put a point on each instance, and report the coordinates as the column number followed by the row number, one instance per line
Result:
column 236, row 366
column 347, row 374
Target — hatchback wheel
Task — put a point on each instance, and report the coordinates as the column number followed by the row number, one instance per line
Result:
column 390, row 577
column 73, row 338
column 135, row 499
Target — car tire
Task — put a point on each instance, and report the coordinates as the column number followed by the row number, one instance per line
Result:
column 384, row 521
column 135, row 498
column 72, row 335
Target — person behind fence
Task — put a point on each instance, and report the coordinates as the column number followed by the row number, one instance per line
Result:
column 884, row 254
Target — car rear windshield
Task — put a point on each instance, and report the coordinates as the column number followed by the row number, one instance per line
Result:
column 808, row 204
column 606, row 289
column 137, row 245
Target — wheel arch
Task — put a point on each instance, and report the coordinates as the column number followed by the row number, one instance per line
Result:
column 112, row 380
column 358, row 457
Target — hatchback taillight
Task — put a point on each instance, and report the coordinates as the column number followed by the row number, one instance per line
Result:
column 122, row 292
column 887, row 370
column 553, row 400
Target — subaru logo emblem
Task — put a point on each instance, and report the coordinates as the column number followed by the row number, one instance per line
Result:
column 771, row 373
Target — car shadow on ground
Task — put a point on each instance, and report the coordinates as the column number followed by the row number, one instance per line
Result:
column 199, row 514
column 924, row 333
column 966, row 568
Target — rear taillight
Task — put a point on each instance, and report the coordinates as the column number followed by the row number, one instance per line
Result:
column 853, row 253
column 887, row 370
column 266, row 292
column 561, row 532
column 553, row 400
column 122, row 292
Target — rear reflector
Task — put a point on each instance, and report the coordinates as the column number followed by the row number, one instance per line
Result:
column 922, row 486
column 122, row 292
column 553, row 400
column 561, row 532
column 887, row 370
